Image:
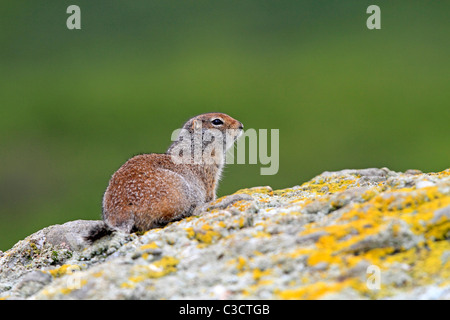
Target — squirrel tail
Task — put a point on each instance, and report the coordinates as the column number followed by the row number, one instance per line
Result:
column 97, row 232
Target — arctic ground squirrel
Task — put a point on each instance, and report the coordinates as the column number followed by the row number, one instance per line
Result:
column 151, row 190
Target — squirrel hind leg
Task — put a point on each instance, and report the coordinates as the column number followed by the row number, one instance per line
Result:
column 127, row 226
column 164, row 221
column 123, row 221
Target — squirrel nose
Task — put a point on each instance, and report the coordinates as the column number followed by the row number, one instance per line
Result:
column 241, row 126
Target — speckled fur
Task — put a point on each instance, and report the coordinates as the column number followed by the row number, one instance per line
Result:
column 151, row 190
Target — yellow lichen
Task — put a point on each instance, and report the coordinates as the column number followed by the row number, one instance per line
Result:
column 241, row 263
column 221, row 224
column 205, row 234
column 97, row 274
column 316, row 290
column 63, row 270
column 255, row 190
column 147, row 246
column 385, row 212
column 157, row 269
column 190, row 232
column 258, row 274
column 261, row 234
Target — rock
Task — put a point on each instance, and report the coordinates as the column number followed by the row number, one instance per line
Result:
column 31, row 283
column 351, row 234
column 71, row 234
column 441, row 214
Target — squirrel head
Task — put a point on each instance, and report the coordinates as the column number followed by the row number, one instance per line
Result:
column 215, row 120
column 207, row 137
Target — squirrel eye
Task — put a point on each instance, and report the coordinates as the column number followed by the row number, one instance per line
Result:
column 217, row 122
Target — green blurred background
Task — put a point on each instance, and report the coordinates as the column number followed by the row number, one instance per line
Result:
column 75, row 105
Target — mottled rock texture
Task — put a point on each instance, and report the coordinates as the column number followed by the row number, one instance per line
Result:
column 352, row 234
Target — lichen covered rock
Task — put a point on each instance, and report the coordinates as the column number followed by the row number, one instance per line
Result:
column 352, row 234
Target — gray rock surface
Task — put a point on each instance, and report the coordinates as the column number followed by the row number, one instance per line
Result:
column 352, row 234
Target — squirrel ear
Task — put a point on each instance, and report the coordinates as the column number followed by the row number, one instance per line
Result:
column 196, row 124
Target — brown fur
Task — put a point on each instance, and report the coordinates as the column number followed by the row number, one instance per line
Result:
column 151, row 190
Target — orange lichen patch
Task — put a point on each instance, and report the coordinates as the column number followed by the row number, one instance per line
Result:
column 97, row 274
column 64, row 270
column 427, row 263
column 255, row 287
column 76, row 280
column 298, row 201
column 127, row 285
column 265, row 200
column 190, row 232
column 205, row 234
column 288, row 192
column 347, row 239
column 261, row 234
column 318, row 289
column 255, row 190
column 187, row 219
column 155, row 230
column 215, row 226
column 147, row 246
column 440, row 230
column 369, row 194
column 240, row 222
column 296, row 253
column 258, row 274
column 242, row 205
column 261, row 277
column 222, row 224
column 328, row 185
column 444, row 173
column 157, row 269
column 241, row 263
column 325, row 256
